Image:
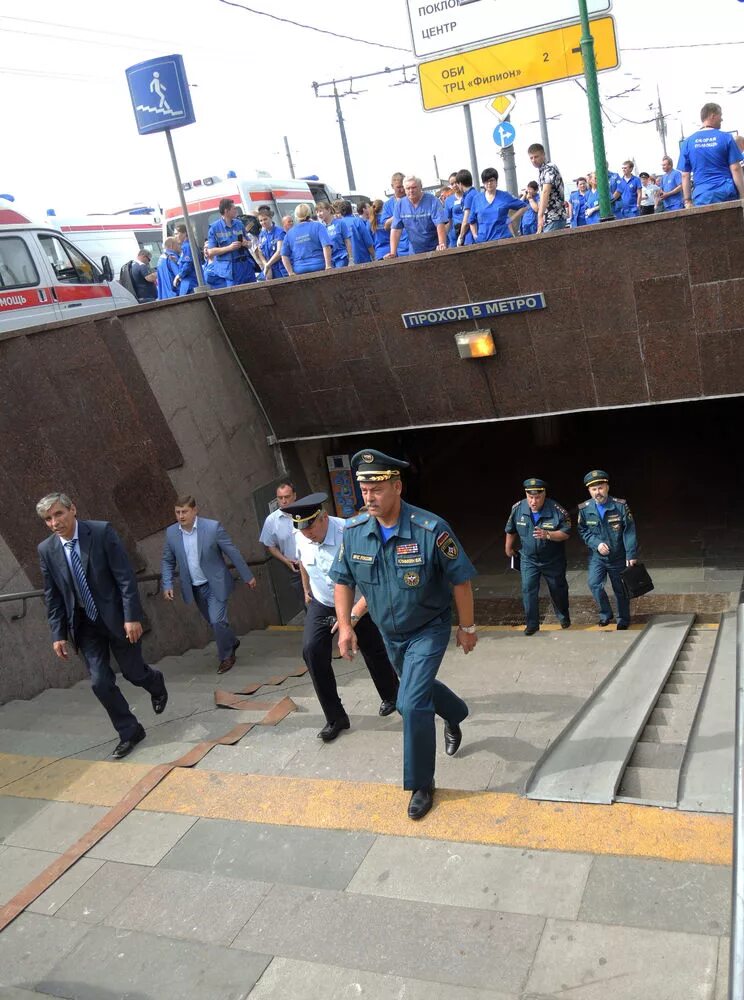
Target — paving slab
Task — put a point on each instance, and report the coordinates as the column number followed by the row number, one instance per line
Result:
column 32, row 944
column 177, row 904
column 722, row 975
column 15, row 812
column 262, row 852
column 142, row 838
column 65, row 886
column 287, row 978
column 112, row 964
column 607, row 962
column 51, row 744
column 674, row 896
column 500, row 878
column 18, row 866
column 445, row 944
column 103, row 891
column 56, row 827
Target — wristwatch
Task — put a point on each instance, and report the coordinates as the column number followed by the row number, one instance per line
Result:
column 470, row 629
column 354, row 618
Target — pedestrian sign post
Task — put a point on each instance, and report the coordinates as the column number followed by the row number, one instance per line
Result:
column 160, row 94
column 504, row 134
column 161, row 101
column 520, row 64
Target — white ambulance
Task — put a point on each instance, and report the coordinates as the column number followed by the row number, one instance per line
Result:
column 120, row 236
column 44, row 278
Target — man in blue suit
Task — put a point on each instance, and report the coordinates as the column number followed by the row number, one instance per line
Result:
column 198, row 546
column 92, row 600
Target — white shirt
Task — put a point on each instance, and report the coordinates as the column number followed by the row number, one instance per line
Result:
column 317, row 558
column 191, row 547
column 648, row 194
column 279, row 531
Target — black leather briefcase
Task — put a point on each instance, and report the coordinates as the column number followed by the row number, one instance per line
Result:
column 636, row 581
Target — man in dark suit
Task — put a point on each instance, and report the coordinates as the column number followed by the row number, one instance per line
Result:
column 92, row 601
column 198, row 547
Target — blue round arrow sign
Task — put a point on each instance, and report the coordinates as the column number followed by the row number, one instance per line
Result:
column 504, row 134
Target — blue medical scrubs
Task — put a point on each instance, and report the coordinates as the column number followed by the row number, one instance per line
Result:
column 578, row 208
column 235, row 267
column 304, row 243
column 186, row 271
column 453, row 208
column 388, row 210
column 540, row 557
column 668, row 182
column 612, row 524
column 356, row 230
column 628, row 188
column 380, row 239
column 492, row 217
column 268, row 240
column 707, row 155
column 528, row 222
column 420, row 221
column 591, row 198
column 407, row 582
column 339, row 253
column 166, row 271
column 613, row 181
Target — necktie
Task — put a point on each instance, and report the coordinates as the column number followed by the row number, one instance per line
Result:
column 77, row 568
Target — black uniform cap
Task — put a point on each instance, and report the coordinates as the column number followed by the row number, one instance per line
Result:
column 304, row 511
column 373, row 466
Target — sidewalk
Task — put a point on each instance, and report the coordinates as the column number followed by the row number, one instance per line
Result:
column 282, row 867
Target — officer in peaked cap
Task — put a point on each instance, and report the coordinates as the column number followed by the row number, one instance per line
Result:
column 542, row 527
column 607, row 528
column 407, row 563
column 318, row 538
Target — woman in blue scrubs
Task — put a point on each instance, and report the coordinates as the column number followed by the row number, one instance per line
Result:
column 307, row 245
column 380, row 235
column 495, row 214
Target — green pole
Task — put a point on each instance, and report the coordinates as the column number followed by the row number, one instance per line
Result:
column 595, row 114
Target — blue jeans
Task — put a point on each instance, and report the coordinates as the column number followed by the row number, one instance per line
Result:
column 416, row 659
column 551, row 227
column 599, row 570
column 215, row 613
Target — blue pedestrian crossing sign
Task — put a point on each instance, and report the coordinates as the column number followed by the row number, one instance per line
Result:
column 160, row 94
column 504, row 134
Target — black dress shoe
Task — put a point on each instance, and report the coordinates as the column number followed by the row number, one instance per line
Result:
column 531, row 630
column 387, row 708
column 421, row 802
column 623, row 627
column 126, row 746
column 603, row 623
column 159, row 701
column 566, row 623
column 452, row 738
column 330, row 731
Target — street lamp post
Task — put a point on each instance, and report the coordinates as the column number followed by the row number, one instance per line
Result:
column 595, row 114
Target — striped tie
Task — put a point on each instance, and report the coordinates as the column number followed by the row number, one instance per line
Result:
column 77, row 568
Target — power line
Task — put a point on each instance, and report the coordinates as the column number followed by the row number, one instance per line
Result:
column 692, row 45
column 310, row 27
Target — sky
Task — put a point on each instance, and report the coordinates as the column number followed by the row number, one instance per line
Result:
column 70, row 141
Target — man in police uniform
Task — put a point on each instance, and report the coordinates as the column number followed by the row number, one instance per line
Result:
column 543, row 527
column 318, row 539
column 404, row 560
column 607, row 528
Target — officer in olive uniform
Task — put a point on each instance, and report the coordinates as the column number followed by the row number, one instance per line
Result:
column 408, row 565
column 543, row 527
column 607, row 528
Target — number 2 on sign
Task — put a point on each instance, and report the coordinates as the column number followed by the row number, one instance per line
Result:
column 545, row 56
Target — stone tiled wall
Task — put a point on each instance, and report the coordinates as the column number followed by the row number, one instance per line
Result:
column 124, row 413
column 638, row 312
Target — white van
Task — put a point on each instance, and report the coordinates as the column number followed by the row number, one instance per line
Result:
column 45, row 279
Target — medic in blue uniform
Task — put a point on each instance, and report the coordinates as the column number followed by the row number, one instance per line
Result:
column 670, row 182
column 542, row 527
column 408, row 565
column 531, row 198
column 577, row 202
column 494, row 212
column 388, row 209
column 591, row 201
column 270, row 241
column 628, row 185
column 167, row 270
column 186, row 277
column 380, row 236
column 336, row 234
column 356, row 232
column 422, row 216
column 613, row 180
column 307, row 244
column 714, row 161
column 607, row 528
column 228, row 243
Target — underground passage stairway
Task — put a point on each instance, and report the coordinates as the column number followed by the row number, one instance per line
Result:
column 659, row 730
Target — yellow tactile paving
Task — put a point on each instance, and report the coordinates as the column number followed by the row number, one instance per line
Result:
column 13, row 766
column 471, row 817
column 88, row 782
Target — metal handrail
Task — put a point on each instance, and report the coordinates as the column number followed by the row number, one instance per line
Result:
column 27, row 595
column 736, row 953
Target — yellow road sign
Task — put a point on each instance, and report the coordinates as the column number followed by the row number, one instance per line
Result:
column 502, row 105
column 520, row 64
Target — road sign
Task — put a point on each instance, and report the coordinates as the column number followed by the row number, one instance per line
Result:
column 447, row 25
column 521, row 64
column 160, row 94
column 502, row 106
column 504, row 134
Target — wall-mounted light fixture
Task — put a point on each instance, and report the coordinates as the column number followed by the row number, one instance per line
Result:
column 477, row 344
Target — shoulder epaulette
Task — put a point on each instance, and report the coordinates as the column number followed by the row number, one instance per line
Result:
column 515, row 505
column 618, row 500
column 584, row 504
column 362, row 518
column 561, row 509
column 429, row 521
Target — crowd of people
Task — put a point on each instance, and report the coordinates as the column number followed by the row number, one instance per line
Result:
column 240, row 249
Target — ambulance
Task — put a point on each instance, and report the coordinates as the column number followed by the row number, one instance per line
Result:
column 204, row 194
column 44, row 278
column 120, row 236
